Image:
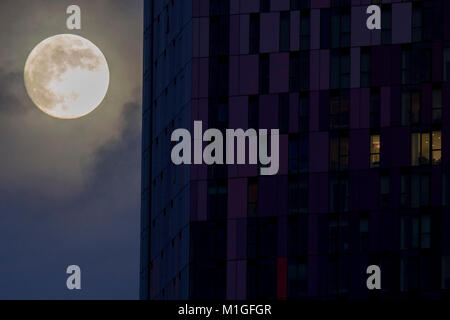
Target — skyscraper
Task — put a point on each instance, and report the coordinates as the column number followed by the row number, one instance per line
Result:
column 364, row 177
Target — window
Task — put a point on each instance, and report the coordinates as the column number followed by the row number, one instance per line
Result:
column 338, row 239
column 294, row 71
column 338, row 194
column 298, row 153
column 386, row 24
column 421, row 152
column 297, row 236
column 295, row 4
column 219, row 7
column 264, row 5
column 417, row 23
column 299, row 71
column 339, row 110
column 217, row 199
column 415, row 190
column 416, row 64
column 325, row 28
column 436, row 147
column 254, row 33
column 375, row 108
column 364, row 233
column 218, row 76
column 411, row 108
column 218, row 113
column 219, row 35
column 365, row 67
column 264, row 73
column 303, row 113
column 298, row 194
column 339, row 151
column 285, row 30
column 437, row 105
column 415, row 232
column 297, row 280
column 340, row 27
column 385, row 190
column 305, row 29
column 340, row 69
column 409, row 274
column 253, row 112
column 304, row 70
column 375, row 147
column 447, row 64
column 425, row 231
column 283, row 113
column 252, row 197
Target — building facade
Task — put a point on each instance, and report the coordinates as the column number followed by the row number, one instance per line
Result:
column 364, row 173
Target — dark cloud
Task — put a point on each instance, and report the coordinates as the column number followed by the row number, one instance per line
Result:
column 97, row 229
column 12, row 92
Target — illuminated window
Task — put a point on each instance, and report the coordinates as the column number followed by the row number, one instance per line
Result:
column 339, row 152
column 436, row 146
column 420, row 148
column 375, row 147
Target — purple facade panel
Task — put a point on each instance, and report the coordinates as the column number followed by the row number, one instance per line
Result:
column 318, row 196
column 401, row 22
column 318, row 151
column 355, row 67
column 269, row 32
column 235, row 34
column 249, row 6
column 279, row 5
column 320, row 4
column 314, row 65
column 360, row 36
column 314, row 111
column 279, row 72
column 234, row 71
column 268, row 115
column 359, row 140
column 385, row 106
column 248, row 77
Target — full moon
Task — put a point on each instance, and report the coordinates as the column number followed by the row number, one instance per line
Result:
column 66, row 76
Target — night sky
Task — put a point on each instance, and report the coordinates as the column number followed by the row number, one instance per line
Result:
column 70, row 189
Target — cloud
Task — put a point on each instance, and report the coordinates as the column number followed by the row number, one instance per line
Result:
column 11, row 94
